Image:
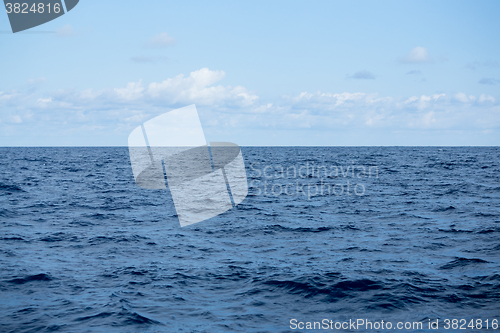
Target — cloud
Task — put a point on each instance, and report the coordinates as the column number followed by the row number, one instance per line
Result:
column 416, row 55
column 414, row 72
column 488, row 81
column 5, row 97
column 160, row 41
column 423, row 102
column 363, row 75
column 477, row 64
column 65, row 31
column 329, row 101
column 149, row 59
column 133, row 91
column 463, row 98
column 486, row 99
column 224, row 108
column 199, row 88
column 361, row 110
column 44, row 102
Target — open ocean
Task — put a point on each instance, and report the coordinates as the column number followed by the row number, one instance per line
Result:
column 84, row 249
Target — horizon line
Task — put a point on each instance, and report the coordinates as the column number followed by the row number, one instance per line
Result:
column 291, row 146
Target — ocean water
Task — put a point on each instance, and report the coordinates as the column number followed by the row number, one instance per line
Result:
column 405, row 234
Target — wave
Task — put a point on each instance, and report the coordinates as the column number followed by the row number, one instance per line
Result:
column 462, row 262
column 31, row 278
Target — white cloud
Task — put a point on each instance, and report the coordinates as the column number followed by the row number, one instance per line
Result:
column 43, row 102
column 120, row 109
column 486, row 99
column 205, row 77
column 65, row 31
column 423, row 101
column 324, row 102
column 5, row 97
column 359, row 110
column 418, row 54
column 198, row 88
column 161, row 40
column 133, row 91
column 463, row 98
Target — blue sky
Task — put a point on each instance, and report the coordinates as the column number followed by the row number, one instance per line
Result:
column 260, row 72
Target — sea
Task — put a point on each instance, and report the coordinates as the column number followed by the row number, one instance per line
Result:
column 327, row 237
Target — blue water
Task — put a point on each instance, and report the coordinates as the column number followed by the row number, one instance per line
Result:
column 84, row 249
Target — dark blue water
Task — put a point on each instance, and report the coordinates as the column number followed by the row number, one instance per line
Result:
column 83, row 249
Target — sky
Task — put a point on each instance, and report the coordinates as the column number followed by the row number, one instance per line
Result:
column 261, row 73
